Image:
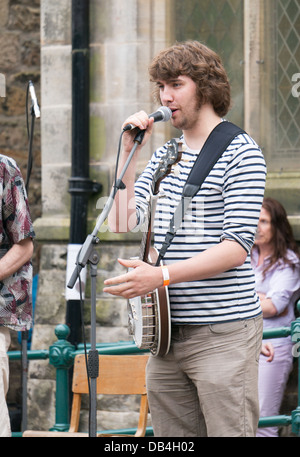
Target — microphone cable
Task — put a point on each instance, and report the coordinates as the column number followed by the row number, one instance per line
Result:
column 30, row 140
column 30, row 134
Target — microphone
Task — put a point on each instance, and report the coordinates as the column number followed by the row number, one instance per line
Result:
column 161, row 114
column 35, row 104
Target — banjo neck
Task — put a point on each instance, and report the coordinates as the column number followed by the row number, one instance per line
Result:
column 170, row 158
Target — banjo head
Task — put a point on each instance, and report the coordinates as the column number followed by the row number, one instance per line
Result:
column 149, row 323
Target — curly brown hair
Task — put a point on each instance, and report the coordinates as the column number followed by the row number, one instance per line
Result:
column 202, row 65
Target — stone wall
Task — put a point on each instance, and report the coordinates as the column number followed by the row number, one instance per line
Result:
column 19, row 63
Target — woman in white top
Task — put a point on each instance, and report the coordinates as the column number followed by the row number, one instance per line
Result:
column 276, row 264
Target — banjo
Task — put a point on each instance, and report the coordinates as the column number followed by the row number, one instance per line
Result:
column 149, row 315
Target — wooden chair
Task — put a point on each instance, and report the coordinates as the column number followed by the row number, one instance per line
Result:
column 118, row 375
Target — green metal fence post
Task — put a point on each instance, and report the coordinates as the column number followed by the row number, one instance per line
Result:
column 61, row 356
column 295, row 332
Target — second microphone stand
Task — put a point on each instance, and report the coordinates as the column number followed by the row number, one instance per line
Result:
column 88, row 255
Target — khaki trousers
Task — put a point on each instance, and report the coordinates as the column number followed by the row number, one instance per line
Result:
column 207, row 385
column 5, row 430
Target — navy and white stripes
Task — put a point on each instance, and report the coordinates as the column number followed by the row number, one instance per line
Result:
column 226, row 207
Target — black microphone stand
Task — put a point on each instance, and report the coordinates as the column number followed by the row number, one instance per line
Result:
column 88, row 255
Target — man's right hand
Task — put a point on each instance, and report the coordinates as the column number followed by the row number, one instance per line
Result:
column 141, row 121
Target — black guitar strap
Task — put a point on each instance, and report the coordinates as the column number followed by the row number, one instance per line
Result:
column 216, row 143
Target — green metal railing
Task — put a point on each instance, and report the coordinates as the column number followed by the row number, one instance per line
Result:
column 62, row 353
column 294, row 418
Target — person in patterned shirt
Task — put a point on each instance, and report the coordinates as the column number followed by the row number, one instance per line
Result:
column 16, row 249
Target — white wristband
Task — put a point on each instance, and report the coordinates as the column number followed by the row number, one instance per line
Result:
column 166, row 275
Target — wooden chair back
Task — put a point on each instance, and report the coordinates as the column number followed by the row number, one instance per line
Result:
column 118, row 375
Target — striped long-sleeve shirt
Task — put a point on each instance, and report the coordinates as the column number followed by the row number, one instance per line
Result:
column 226, row 207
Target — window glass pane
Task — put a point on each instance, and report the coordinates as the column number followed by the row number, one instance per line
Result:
column 287, row 66
column 219, row 25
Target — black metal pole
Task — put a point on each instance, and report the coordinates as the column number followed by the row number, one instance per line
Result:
column 80, row 185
